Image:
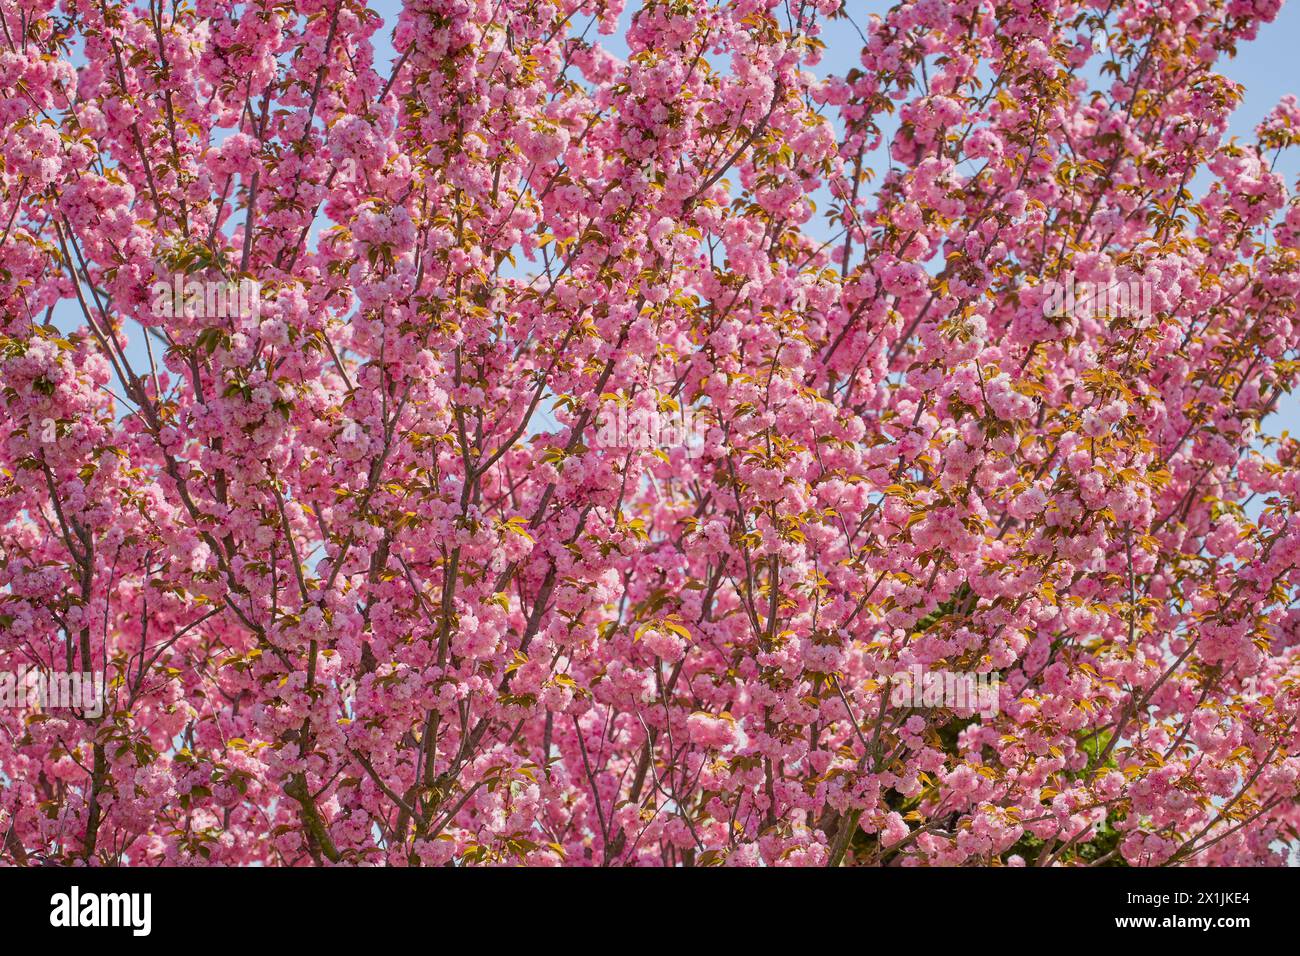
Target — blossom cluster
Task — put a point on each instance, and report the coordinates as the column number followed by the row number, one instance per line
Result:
column 363, row 585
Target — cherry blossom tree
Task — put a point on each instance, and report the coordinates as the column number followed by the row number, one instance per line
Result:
column 366, row 575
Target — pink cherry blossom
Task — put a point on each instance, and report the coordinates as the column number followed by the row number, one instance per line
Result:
column 961, row 359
